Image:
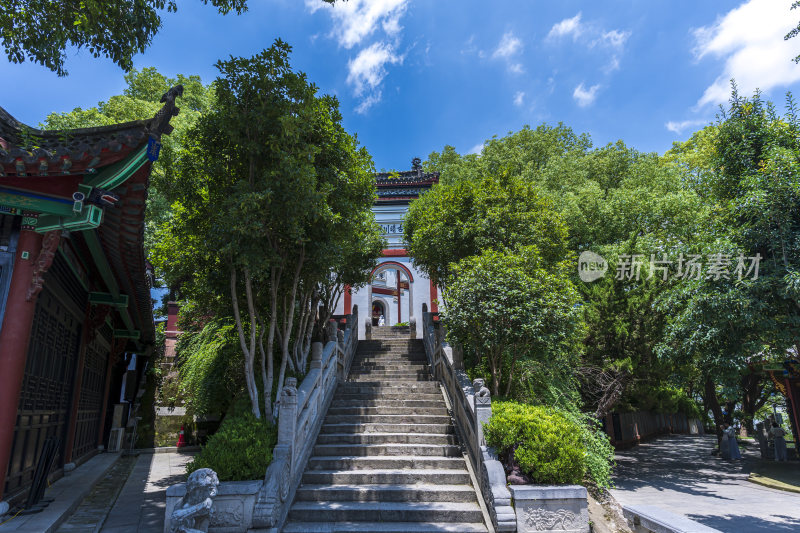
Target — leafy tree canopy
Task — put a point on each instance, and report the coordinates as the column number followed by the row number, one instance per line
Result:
column 41, row 30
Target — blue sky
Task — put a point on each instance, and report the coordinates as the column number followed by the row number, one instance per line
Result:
column 414, row 75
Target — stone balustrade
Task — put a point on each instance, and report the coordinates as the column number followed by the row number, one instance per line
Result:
column 240, row 507
column 472, row 407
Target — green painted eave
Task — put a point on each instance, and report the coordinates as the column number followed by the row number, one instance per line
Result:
column 115, row 175
column 104, row 298
column 127, row 334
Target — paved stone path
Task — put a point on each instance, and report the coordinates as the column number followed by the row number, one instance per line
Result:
column 679, row 474
column 141, row 503
column 92, row 511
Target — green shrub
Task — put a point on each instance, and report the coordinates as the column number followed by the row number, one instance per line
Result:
column 599, row 452
column 549, row 446
column 242, row 447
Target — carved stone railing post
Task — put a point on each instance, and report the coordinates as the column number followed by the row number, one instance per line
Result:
column 458, row 357
column 412, row 327
column 483, row 410
column 277, row 481
column 368, row 329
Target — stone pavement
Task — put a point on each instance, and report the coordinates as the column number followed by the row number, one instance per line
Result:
column 141, row 504
column 66, row 494
column 94, row 508
column 678, row 473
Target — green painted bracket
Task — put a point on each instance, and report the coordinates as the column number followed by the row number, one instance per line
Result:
column 115, row 175
column 100, row 260
column 127, row 334
column 90, row 217
column 104, row 298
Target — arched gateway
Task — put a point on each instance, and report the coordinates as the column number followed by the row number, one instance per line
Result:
column 396, row 289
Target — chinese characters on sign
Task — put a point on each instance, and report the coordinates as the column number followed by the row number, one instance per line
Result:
column 717, row 266
column 393, row 228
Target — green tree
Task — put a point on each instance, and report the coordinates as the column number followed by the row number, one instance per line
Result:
column 141, row 100
column 730, row 326
column 271, row 189
column 461, row 217
column 41, row 30
column 508, row 307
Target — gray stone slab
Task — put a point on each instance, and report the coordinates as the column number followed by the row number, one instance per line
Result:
column 141, row 504
column 67, row 493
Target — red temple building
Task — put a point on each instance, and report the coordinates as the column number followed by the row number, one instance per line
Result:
column 75, row 305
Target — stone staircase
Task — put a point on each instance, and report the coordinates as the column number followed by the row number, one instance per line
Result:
column 387, row 458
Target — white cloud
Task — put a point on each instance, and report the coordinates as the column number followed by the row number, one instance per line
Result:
column 507, row 50
column 368, row 102
column 750, row 40
column 355, row 20
column 614, row 38
column 679, row 127
column 477, row 149
column 566, row 28
column 367, row 70
column 584, row 96
column 519, row 98
column 508, row 47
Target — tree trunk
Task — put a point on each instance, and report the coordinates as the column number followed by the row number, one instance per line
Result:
column 248, row 353
column 511, row 374
column 713, row 404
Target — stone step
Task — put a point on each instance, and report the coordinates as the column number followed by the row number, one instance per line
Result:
column 400, row 404
column 421, row 374
column 438, row 439
column 387, row 450
column 434, row 409
column 397, row 462
column 420, row 369
column 441, row 429
column 385, row 379
column 389, row 396
column 387, row 493
column 398, row 356
column 386, row 511
column 372, row 366
column 386, row 477
column 408, row 387
column 387, row 419
column 382, row 527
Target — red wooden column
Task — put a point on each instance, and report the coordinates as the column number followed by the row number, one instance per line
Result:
column 434, row 297
column 348, row 300
column 31, row 262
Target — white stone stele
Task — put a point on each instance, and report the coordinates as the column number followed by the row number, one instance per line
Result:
column 233, row 505
column 551, row 508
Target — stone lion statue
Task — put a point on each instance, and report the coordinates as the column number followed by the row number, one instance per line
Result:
column 193, row 513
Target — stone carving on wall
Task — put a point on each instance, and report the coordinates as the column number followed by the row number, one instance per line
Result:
column 229, row 514
column 50, row 244
column 194, row 512
column 538, row 519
